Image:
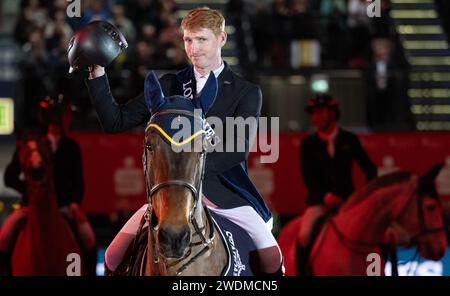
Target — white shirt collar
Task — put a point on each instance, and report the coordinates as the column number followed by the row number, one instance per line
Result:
column 331, row 136
column 216, row 72
column 201, row 79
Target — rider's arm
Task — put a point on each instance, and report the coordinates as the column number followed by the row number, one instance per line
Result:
column 249, row 106
column 12, row 173
column 307, row 169
column 363, row 160
column 113, row 117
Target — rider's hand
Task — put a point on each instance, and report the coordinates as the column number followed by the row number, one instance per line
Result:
column 72, row 211
column 332, row 201
column 96, row 71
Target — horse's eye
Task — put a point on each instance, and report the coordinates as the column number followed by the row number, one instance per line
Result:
column 149, row 147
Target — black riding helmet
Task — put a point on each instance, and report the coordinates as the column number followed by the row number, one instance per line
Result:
column 54, row 109
column 99, row 43
column 323, row 100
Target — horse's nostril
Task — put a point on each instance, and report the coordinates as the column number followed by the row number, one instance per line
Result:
column 176, row 239
column 164, row 236
column 185, row 237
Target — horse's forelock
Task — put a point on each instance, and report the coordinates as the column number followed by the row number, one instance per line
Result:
column 165, row 121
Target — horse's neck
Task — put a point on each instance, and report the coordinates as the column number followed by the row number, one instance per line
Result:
column 41, row 195
column 368, row 220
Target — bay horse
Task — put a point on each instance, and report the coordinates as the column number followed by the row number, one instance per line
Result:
column 178, row 235
column 45, row 239
column 359, row 228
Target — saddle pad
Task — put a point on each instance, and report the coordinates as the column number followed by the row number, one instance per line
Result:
column 238, row 244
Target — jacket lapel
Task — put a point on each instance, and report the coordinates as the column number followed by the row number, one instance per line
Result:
column 186, row 83
column 225, row 82
column 187, row 86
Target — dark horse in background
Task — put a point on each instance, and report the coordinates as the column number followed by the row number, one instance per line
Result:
column 44, row 238
column 178, row 233
column 401, row 201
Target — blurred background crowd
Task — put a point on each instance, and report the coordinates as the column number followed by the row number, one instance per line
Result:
column 289, row 38
column 387, row 62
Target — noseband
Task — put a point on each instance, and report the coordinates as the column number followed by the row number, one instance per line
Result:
column 424, row 230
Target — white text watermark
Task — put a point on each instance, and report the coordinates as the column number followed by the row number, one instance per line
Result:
column 374, row 8
column 73, row 8
column 235, row 134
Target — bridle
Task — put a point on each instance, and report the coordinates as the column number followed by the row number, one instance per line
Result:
column 356, row 246
column 424, row 230
column 44, row 158
column 195, row 188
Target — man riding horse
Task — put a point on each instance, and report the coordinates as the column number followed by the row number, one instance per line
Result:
column 327, row 158
column 397, row 209
column 66, row 159
column 36, row 237
column 226, row 184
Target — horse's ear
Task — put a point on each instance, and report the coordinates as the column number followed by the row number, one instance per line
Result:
column 153, row 93
column 426, row 182
column 208, row 94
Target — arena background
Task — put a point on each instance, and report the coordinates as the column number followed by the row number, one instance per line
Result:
column 291, row 48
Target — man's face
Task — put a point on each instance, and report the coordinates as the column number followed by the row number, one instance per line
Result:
column 322, row 118
column 203, row 47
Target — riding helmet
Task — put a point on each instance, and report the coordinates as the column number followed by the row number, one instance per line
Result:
column 99, row 43
column 322, row 100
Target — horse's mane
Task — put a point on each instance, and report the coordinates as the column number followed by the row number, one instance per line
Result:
column 374, row 185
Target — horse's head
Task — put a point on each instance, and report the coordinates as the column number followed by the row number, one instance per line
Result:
column 422, row 217
column 174, row 159
column 35, row 158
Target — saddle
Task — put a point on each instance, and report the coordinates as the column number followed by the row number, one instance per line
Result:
column 133, row 263
column 237, row 242
column 239, row 246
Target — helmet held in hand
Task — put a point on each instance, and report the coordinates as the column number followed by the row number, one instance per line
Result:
column 99, row 43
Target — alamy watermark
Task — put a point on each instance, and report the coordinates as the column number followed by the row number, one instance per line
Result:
column 73, row 8
column 374, row 267
column 235, row 134
column 374, row 8
column 74, row 266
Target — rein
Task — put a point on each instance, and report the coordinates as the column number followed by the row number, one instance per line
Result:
column 356, row 245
